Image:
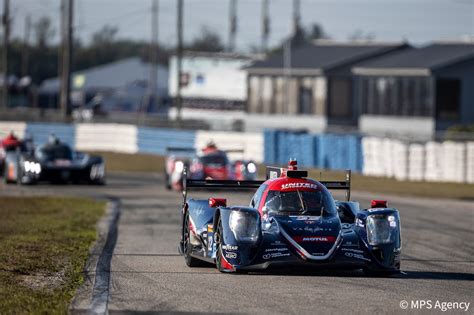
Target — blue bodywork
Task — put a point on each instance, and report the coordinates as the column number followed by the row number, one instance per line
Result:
column 337, row 240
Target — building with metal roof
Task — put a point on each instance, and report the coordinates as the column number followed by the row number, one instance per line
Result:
column 431, row 88
column 312, row 79
column 124, row 82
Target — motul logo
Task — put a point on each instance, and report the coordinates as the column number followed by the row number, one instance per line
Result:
column 322, row 239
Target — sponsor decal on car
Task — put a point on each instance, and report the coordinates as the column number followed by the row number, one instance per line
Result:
column 299, row 185
column 230, row 247
column 277, row 249
column 345, row 226
column 352, row 250
column 318, row 239
column 304, row 218
column 277, row 242
column 210, row 228
column 357, row 256
column 275, row 255
column 231, row 255
column 316, row 229
column 349, row 243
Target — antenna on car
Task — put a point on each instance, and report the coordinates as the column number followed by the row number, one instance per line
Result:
column 348, row 183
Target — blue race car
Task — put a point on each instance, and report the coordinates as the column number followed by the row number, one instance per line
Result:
column 291, row 221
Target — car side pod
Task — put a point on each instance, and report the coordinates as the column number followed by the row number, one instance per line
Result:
column 237, row 233
column 379, row 230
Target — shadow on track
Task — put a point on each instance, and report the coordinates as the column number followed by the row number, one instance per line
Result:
column 406, row 274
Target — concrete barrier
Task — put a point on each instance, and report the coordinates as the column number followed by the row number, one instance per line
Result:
column 416, row 162
column 156, row 140
column 470, row 162
column 41, row 132
column 107, row 137
column 373, row 156
column 18, row 127
column 453, row 162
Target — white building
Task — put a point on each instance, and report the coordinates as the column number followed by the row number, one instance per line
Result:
column 211, row 80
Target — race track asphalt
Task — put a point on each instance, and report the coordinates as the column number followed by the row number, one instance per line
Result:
column 149, row 276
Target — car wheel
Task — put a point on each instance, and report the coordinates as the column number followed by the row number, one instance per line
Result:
column 187, row 247
column 167, row 181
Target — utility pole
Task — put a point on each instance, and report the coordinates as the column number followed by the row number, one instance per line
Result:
column 6, row 41
column 26, row 42
column 296, row 16
column 265, row 26
column 62, row 23
column 66, row 62
column 179, row 58
column 152, row 82
column 232, row 24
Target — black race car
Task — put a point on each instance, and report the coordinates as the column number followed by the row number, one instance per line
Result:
column 53, row 162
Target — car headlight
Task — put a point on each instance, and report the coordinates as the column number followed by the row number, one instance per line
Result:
column 97, row 171
column 37, row 168
column 251, row 167
column 27, row 166
column 244, row 226
column 178, row 166
column 381, row 229
column 32, row 167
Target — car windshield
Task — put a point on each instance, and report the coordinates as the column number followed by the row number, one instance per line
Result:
column 54, row 152
column 300, row 202
column 214, row 160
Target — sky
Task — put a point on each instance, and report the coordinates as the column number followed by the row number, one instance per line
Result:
column 417, row 21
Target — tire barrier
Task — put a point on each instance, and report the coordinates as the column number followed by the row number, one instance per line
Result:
column 18, row 128
column 326, row 151
column 447, row 161
column 155, row 141
column 41, row 132
column 107, row 137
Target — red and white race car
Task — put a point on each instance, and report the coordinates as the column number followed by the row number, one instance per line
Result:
column 209, row 163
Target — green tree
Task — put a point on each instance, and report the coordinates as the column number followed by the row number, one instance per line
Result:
column 43, row 31
column 208, row 40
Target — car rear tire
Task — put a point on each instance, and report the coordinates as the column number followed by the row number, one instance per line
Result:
column 188, row 247
column 167, row 181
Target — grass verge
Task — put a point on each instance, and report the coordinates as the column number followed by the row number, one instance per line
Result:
column 153, row 163
column 44, row 245
column 132, row 162
column 392, row 186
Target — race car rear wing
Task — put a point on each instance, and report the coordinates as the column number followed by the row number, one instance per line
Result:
column 272, row 172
